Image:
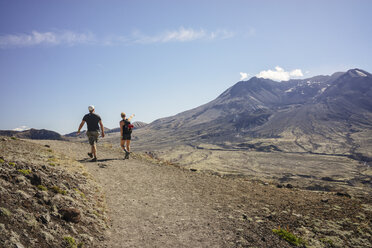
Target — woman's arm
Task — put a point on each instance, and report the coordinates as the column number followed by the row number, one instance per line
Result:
column 121, row 128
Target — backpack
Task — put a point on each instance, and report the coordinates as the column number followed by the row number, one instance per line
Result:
column 127, row 127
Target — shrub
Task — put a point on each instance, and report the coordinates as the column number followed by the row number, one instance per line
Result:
column 70, row 242
column 12, row 163
column 52, row 164
column 13, row 138
column 24, row 172
column 80, row 193
column 327, row 241
column 288, row 236
column 53, row 159
column 5, row 212
column 41, row 187
column 2, row 161
column 58, row 190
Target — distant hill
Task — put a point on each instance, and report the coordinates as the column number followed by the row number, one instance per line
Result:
column 137, row 125
column 32, row 134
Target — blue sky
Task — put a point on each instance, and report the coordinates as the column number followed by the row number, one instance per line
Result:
column 159, row 58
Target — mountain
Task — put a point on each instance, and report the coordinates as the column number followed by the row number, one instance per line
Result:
column 318, row 114
column 136, row 124
column 32, row 134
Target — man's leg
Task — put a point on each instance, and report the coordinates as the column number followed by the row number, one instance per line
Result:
column 94, row 150
column 91, row 142
column 93, row 138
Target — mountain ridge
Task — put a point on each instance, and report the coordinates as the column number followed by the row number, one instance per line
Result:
column 331, row 113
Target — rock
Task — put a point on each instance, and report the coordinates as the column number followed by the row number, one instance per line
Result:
column 47, row 146
column 20, row 180
column 19, row 245
column 45, row 218
column 270, row 217
column 343, row 194
column 43, row 195
column 325, row 200
column 47, row 236
column 279, row 186
column 289, row 186
column 70, row 214
column 35, row 180
column 193, row 170
column 23, row 195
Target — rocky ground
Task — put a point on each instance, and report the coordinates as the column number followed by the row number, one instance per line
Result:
column 47, row 199
column 153, row 203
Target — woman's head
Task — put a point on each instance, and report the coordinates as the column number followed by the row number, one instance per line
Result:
column 122, row 115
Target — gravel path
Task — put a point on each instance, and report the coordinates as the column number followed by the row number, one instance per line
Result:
column 152, row 205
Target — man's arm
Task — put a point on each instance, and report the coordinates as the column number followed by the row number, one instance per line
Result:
column 81, row 125
column 102, row 129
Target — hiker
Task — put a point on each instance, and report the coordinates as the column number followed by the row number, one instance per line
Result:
column 92, row 120
column 126, row 134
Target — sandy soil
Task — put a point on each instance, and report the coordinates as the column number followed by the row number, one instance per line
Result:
column 159, row 205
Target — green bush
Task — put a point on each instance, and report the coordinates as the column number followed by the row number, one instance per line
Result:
column 2, row 161
column 41, row 187
column 327, row 241
column 288, row 236
column 24, row 172
column 80, row 193
column 13, row 138
column 58, row 190
column 12, row 163
column 70, row 242
column 5, row 212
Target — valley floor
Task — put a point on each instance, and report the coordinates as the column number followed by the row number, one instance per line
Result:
column 155, row 204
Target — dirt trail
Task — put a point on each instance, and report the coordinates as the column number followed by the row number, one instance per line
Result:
column 152, row 205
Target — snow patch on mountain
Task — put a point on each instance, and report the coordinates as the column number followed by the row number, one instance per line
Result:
column 360, row 73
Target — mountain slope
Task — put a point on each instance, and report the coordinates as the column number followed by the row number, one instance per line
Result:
column 318, row 114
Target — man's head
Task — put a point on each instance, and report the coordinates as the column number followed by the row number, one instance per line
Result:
column 91, row 109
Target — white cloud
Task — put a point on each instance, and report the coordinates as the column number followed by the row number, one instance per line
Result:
column 70, row 38
column 47, row 38
column 243, row 76
column 280, row 74
column 21, row 128
column 181, row 35
column 296, row 73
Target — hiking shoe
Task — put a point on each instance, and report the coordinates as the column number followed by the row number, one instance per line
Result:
column 90, row 154
column 126, row 154
column 93, row 160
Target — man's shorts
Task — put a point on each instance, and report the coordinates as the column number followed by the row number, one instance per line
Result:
column 92, row 136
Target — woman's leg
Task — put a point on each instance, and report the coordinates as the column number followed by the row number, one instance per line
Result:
column 128, row 145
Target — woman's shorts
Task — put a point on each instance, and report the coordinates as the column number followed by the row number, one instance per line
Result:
column 126, row 136
column 92, row 136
